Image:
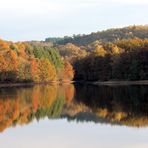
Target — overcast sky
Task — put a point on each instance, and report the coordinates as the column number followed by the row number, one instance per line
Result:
column 37, row 19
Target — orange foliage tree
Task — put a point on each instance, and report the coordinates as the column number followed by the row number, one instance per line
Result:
column 68, row 72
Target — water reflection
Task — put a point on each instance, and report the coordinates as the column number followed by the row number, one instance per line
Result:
column 124, row 105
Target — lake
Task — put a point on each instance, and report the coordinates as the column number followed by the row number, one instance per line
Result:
column 74, row 116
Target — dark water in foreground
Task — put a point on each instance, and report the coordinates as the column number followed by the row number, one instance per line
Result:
column 68, row 116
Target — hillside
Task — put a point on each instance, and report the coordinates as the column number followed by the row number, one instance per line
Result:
column 109, row 35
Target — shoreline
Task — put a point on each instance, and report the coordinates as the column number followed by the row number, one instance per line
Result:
column 114, row 83
column 111, row 83
column 33, row 83
column 140, row 82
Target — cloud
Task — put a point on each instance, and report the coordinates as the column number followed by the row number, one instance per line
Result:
column 98, row 2
column 134, row 2
column 112, row 1
column 36, row 19
column 29, row 7
column 40, row 7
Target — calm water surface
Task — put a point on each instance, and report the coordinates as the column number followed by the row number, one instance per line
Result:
column 68, row 116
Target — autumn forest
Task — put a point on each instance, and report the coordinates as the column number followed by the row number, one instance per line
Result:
column 114, row 54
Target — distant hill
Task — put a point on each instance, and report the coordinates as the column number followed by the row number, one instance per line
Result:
column 109, row 35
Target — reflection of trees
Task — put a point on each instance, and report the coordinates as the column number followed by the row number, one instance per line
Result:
column 22, row 105
column 127, row 105
column 124, row 105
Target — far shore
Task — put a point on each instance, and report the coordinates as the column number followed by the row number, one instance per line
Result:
column 112, row 83
column 141, row 82
column 33, row 83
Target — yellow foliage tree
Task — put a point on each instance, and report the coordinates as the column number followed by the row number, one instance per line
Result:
column 99, row 51
column 47, row 70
